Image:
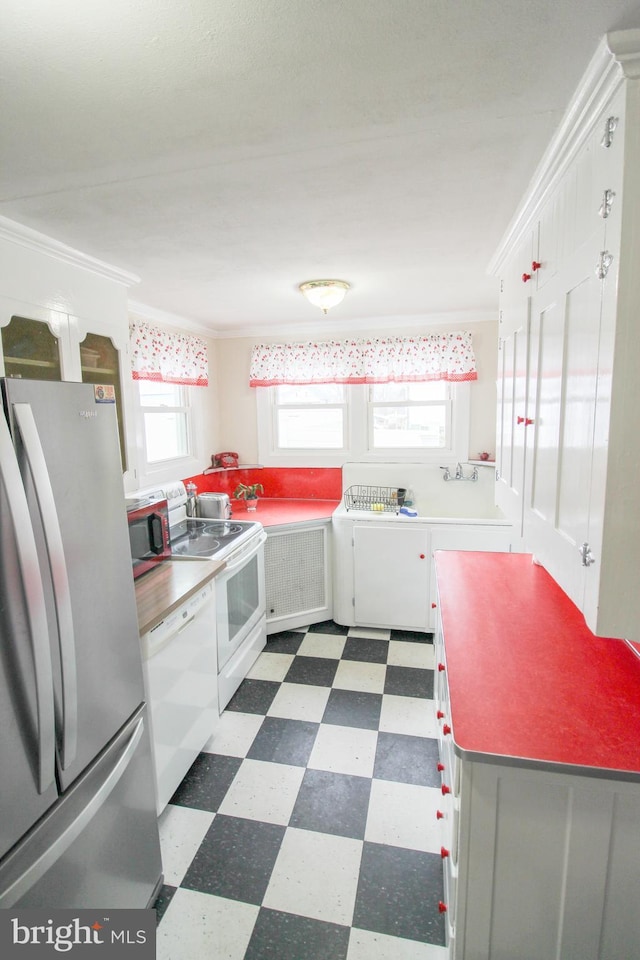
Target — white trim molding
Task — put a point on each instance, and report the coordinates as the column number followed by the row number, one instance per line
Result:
column 33, row 240
column 616, row 59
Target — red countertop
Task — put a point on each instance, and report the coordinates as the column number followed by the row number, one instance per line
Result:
column 274, row 511
column 527, row 678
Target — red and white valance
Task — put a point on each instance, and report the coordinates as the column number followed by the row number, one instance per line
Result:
column 160, row 355
column 447, row 356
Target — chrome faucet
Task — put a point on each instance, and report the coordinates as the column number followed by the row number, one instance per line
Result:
column 459, row 474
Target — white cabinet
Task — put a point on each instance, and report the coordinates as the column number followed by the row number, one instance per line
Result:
column 384, row 574
column 391, row 575
column 65, row 348
column 297, row 562
column 513, row 358
column 516, row 283
column 539, row 770
column 538, row 864
column 63, row 316
column 569, row 356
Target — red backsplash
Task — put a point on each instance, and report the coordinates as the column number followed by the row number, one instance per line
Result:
column 298, row 483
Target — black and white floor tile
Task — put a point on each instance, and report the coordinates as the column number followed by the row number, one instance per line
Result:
column 307, row 828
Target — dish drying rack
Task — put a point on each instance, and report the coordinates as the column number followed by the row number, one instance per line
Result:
column 377, row 499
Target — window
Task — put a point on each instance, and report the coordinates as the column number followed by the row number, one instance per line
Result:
column 165, row 412
column 310, row 416
column 413, row 416
column 326, row 424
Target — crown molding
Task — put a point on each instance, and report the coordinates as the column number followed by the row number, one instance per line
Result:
column 144, row 312
column 38, row 242
column 315, row 329
column 345, row 328
column 624, row 46
column 616, row 59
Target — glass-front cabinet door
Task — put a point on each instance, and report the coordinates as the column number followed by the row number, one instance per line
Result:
column 41, row 350
column 30, row 350
column 100, row 365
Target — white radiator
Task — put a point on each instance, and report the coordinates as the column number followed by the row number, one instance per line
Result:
column 297, row 577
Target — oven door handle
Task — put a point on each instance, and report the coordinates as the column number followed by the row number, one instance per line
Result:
column 244, row 554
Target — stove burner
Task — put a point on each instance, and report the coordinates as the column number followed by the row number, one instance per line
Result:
column 202, row 537
column 222, row 529
column 201, row 545
column 193, row 527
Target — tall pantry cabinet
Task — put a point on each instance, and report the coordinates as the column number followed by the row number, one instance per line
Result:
column 568, row 451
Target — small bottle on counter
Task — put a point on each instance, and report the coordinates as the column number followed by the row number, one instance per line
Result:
column 192, row 499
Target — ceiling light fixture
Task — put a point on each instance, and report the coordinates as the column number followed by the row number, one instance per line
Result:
column 324, row 293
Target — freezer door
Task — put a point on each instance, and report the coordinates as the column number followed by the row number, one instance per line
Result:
column 67, row 447
column 99, row 845
column 27, row 785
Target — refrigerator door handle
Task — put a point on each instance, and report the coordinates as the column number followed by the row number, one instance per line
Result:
column 27, row 555
column 57, row 563
column 45, row 850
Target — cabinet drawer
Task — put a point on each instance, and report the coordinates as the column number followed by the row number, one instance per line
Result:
column 450, row 890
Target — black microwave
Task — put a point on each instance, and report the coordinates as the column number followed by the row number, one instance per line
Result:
column 148, row 534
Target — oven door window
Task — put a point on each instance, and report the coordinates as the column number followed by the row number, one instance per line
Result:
column 243, row 597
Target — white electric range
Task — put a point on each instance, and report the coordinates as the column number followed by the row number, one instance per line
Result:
column 240, row 599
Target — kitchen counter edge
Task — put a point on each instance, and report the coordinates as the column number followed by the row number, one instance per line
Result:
column 162, row 590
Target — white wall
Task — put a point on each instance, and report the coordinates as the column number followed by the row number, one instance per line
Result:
column 238, row 429
column 43, row 279
column 46, row 280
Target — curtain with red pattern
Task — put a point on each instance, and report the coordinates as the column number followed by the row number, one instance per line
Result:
column 444, row 356
column 169, row 357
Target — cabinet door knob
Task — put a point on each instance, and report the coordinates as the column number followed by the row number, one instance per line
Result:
column 446, row 728
column 442, row 907
column 535, row 266
column 422, row 556
column 440, row 815
column 440, row 767
column 444, row 853
column 519, row 419
column 445, row 789
column 441, row 667
column 526, row 277
column 440, row 714
column 433, row 606
column 528, row 421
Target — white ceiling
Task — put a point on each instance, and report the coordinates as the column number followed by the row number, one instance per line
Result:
column 227, row 150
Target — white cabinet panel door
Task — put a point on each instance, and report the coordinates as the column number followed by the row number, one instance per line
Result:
column 563, row 390
column 391, row 576
column 511, row 431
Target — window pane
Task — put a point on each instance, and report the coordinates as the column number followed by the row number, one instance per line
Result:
column 310, row 393
column 409, row 426
column 154, row 394
column 432, row 390
column 166, row 435
column 310, row 428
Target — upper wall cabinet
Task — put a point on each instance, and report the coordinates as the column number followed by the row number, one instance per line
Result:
column 63, row 316
column 569, row 352
column 32, row 350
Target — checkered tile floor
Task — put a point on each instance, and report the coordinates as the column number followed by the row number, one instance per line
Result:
column 307, row 829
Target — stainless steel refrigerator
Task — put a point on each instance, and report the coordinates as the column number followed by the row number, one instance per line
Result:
column 77, row 811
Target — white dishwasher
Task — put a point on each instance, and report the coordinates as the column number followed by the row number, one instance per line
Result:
column 181, row 678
